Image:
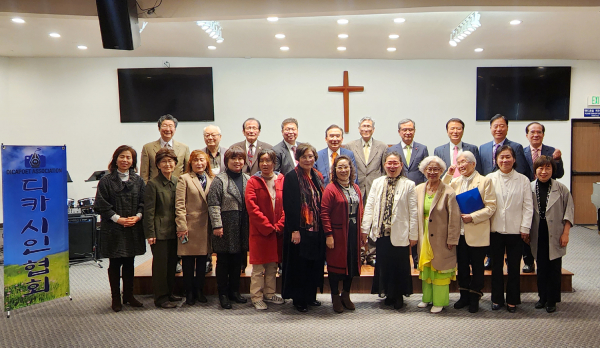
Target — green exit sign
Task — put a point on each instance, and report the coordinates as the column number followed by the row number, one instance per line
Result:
column 594, row 100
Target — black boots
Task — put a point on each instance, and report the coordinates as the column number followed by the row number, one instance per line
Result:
column 463, row 301
column 128, row 298
column 474, row 302
column 114, row 279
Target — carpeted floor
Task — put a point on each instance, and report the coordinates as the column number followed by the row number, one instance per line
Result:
column 88, row 321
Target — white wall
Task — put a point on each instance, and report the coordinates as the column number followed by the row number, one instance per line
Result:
column 75, row 102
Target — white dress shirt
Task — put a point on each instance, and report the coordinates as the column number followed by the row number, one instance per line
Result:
column 330, row 153
column 289, row 147
column 163, row 143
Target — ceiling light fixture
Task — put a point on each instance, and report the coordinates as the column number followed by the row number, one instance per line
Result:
column 399, row 20
column 213, row 29
column 394, row 36
column 284, row 48
column 280, row 36
column 82, row 47
column 54, row 35
column 478, row 50
column 212, row 47
column 391, row 49
column 272, row 19
column 18, row 20
column 343, row 36
column 341, row 48
column 342, row 21
column 144, row 24
column 465, row 28
column 515, row 22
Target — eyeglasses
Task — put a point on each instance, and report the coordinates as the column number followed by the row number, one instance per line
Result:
column 461, row 162
column 342, row 167
column 215, row 135
column 167, row 126
column 392, row 164
column 407, row 130
column 254, row 128
column 433, row 170
column 167, row 161
column 307, row 157
column 290, row 129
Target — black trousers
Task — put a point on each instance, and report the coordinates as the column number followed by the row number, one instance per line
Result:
column 334, row 280
column 307, row 291
column 549, row 271
column 115, row 264
column 470, row 259
column 512, row 244
column 527, row 255
column 164, row 259
column 193, row 282
column 228, row 272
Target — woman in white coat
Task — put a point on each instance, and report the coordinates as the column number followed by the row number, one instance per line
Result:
column 390, row 219
column 510, row 227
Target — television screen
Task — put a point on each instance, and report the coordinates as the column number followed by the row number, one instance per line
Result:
column 146, row 94
column 524, row 93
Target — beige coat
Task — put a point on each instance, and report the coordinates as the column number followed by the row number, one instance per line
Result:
column 368, row 169
column 444, row 225
column 559, row 210
column 477, row 232
column 148, row 169
column 191, row 214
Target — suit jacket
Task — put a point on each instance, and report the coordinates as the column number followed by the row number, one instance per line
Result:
column 222, row 151
column 546, row 151
column 418, row 153
column 159, row 208
column 405, row 226
column 368, row 169
column 443, row 152
column 444, row 225
column 477, row 232
column 559, row 210
column 285, row 162
column 486, row 153
column 148, row 169
column 191, row 214
column 322, row 164
column 259, row 146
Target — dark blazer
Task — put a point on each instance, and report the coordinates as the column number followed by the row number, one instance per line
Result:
column 418, row 153
column 546, row 151
column 259, row 146
column 443, row 152
column 159, row 208
column 486, row 154
column 285, row 162
column 322, row 164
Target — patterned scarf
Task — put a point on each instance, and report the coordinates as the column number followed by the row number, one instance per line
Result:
column 387, row 200
column 310, row 199
column 202, row 179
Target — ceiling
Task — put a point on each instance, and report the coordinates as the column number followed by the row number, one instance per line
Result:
column 547, row 32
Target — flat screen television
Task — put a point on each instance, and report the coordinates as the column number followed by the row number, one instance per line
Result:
column 524, row 93
column 146, row 94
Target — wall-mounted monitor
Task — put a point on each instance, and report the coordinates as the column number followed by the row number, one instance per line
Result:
column 146, row 94
column 524, row 93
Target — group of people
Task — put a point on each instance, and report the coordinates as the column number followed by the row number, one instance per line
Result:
column 296, row 209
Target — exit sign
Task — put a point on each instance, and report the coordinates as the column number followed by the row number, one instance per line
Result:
column 594, row 100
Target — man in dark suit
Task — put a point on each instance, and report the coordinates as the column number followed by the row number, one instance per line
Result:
column 286, row 149
column 412, row 154
column 334, row 135
column 535, row 134
column 252, row 146
column 448, row 152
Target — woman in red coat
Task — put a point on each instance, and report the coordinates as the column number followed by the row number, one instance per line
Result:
column 264, row 202
column 341, row 215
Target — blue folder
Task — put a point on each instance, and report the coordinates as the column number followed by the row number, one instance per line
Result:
column 470, row 201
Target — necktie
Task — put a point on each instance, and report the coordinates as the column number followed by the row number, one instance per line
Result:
column 250, row 154
column 294, row 151
column 535, row 154
column 167, row 146
column 408, row 155
column 367, row 151
column 454, row 155
column 494, row 154
column 333, row 157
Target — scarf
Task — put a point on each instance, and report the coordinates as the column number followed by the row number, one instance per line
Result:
column 387, row 198
column 310, row 199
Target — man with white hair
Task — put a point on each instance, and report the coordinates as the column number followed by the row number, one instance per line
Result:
column 216, row 153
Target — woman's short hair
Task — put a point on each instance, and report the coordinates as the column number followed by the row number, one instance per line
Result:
column 234, row 152
column 165, row 152
column 543, row 161
column 506, row 148
column 113, row 163
column 302, row 148
column 334, row 168
column 199, row 153
column 269, row 152
column 427, row 160
column 468, row 155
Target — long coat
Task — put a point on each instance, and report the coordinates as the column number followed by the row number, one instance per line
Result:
column 559, row 210
column 126, row 199
column 191, row 214
column 159, row 208
column 444, row 225
column 266, row 223
column 334, row 217
column 368, row 169
column 227, row 210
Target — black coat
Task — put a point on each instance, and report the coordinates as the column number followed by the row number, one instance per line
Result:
column 125, row 198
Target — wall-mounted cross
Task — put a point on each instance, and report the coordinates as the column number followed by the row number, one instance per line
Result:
column 346, row 89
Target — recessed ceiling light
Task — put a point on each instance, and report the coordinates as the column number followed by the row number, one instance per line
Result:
column 280, row 36
column 341, row 48
column 82, row 47
column 220, row 40
column 212, row 47
column 453, row 43
column 391, row 49
column 479, row 50
column 284, row 48
column 343, row 36
column 272, row 19
column 399, row 20
column 394, row 36
column 54, row 35
column 18, row 20
column 342, row 21
column 515, row 22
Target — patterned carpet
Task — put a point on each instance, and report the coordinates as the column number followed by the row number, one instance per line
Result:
column 88, row 321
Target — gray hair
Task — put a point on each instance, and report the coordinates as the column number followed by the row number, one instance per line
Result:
column 427, row 161
column 468, row 155
column 406, row 120
column 167, row 117
column 366, row 118
column 211, row 125
column 288, row 121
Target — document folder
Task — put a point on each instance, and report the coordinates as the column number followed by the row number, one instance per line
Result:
column 469, row 201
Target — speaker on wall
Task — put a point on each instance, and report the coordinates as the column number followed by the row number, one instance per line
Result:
column 118, row 24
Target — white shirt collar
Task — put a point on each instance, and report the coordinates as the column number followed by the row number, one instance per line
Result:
column 329, row 152
column 163, row 143
column 248, row 144
column 412, row 145
column 460, row 146
column 370, row 142
column 289, row 146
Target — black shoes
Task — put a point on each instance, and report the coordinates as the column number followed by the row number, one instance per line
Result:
column 200, row 297
column 550, row 308
column 389, row 301
column 235, row 296
column 225, row 304
column 174, row 298
column 511, row 309
column 189, row 298
column 301, row 308
column 474, row 302
column 528, row 268
column 463, row 301
column 496, row 306
column 167, row 304
column 314, row 303
column 399, row 302
column 540, row 304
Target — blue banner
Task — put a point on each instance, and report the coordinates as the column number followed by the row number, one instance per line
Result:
column 36, row 230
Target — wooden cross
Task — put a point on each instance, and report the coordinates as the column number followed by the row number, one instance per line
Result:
column 346, row 89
